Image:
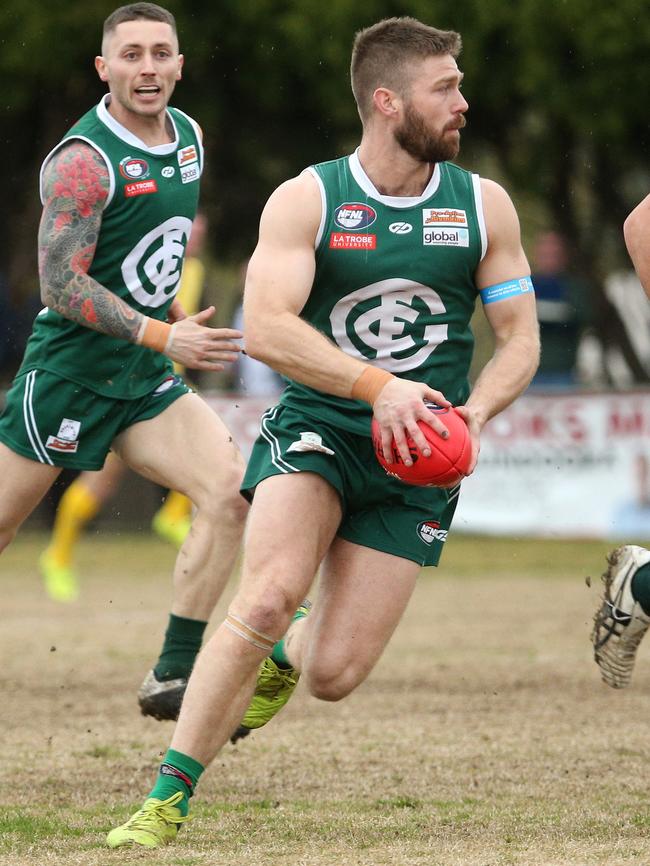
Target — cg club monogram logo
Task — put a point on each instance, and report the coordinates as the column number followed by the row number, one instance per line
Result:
column 152, row 271
column 380, row 327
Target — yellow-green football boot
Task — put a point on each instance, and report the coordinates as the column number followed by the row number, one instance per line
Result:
column 173, row 531
column 60, row 580
column 274, row 687
column 155, row 824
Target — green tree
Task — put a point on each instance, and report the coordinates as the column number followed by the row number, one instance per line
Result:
column 555, row 92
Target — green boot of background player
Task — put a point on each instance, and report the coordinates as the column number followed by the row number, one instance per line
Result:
column 276, row 682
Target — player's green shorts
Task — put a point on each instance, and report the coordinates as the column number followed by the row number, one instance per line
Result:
column 55, row 421
column 378, row 511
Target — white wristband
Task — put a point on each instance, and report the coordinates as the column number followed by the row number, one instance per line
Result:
column 170, row 339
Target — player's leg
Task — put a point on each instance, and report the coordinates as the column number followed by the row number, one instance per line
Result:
column 362, row 596
column 389, row 531
column 292, row 522
column 79, row 504
column 623, row 614
column 27, row 450
column 367, row 580
column 23, row 483
column 187, row 448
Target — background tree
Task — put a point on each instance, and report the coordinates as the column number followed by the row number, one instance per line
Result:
column 555, row 92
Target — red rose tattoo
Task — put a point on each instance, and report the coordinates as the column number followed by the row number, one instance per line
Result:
column 76, row 185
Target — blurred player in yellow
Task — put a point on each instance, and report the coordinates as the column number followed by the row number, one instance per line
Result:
column 90, row 491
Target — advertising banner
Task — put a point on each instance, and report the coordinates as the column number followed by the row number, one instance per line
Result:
column 554, row 465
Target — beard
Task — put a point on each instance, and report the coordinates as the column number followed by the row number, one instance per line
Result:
column 418, row 141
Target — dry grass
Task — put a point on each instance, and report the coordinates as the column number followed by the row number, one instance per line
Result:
column 484, row 737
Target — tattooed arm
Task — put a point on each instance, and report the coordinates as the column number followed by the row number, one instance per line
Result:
column 75, row 188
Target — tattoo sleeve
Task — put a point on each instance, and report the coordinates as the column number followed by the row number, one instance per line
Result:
column 75, row 188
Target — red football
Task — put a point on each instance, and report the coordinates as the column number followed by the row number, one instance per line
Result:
column 449, row 460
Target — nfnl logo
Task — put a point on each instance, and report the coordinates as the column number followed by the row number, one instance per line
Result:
column 430, row 531
column 134, row 169
column 355, row 216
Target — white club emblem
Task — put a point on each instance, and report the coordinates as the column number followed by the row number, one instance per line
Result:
column 152, row 270
column 383, row 325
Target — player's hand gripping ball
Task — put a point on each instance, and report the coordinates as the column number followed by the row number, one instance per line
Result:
column 450, row 458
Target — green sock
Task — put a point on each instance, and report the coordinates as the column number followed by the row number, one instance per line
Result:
column 178, row 772
column 182, row 644
column 277, row 653
column 641, row 587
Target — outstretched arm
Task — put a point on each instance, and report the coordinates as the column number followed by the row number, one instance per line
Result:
column 636, row 230
column 75, row 189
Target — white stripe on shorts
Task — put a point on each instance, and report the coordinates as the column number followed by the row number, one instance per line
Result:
column 30, row 421
column 276, row 455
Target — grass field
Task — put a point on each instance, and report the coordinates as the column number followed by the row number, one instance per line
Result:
column 484, row 736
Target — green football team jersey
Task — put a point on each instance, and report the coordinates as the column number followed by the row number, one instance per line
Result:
column 394, row 282
column 146, row 222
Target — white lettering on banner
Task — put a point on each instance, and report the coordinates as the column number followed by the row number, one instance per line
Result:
column 560, row 422
column 563, row 465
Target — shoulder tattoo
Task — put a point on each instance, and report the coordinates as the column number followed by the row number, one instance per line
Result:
column 76, row 185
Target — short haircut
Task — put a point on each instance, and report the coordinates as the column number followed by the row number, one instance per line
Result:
column 137, row 12
column 382, row 54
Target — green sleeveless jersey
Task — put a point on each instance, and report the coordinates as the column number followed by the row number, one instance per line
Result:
column 394, row 282
column 147, row 218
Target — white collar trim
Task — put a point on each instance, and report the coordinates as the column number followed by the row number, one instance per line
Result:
column 122, row 132
column 371, row 190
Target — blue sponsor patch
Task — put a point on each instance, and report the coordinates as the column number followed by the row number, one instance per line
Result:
column 502, row 291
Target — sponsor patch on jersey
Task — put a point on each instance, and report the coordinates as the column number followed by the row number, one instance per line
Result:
column 189, row 172
column 66, row 439
column 430, row 531
column 165, row 385
column 55, row 444
column 187, row 155
column 134, row 169
column 400, row 228
column 141, row 187
column 344, row 241
column 168, row 171
column 354, row 216
column 445, row 237
column 310, row 441
column 443, row 216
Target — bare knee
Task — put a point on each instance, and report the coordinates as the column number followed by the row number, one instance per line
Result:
column 268, row 612
column 232, row 506
column 219, row 497
column 333, row 682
